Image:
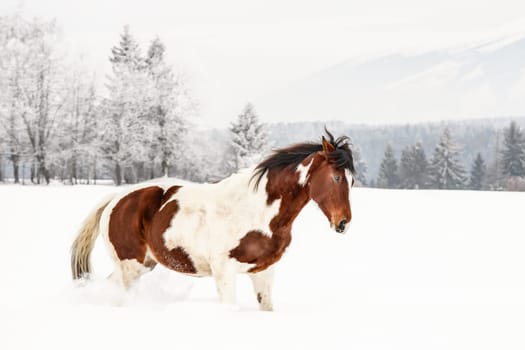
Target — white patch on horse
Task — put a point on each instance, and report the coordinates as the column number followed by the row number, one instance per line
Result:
column 150, row 255
column 213, row 218
column 349, row 179
column 303, row 172
column 127, row 271
column 262, row 285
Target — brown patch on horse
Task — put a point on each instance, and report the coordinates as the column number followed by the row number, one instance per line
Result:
column 176, row 259
column 130, row 219
column 257, row 248
column 136, row 224
column 259, row 298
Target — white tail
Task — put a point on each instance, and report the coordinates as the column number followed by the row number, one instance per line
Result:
column 85, row 241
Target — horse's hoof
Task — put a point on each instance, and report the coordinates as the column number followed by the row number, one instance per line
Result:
column 266, row 307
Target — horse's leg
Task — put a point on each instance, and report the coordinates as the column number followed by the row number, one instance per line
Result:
column 150, row 263
column 130, row 260
column 124, row 229
column 225, row 278
column 128, row 271
column 262, row 285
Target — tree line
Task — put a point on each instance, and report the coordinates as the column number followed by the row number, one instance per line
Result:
column 444, row 170
column 57, row 123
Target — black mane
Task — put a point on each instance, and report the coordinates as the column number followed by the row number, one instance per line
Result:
column 293, row 155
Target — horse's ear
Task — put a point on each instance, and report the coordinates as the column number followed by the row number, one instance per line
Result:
column 327, row 146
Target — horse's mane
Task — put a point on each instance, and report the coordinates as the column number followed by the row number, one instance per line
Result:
column 293, row 155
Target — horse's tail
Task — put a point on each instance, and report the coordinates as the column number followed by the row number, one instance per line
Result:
column 85, row 241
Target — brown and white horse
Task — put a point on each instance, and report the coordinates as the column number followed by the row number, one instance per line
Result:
column 241, row 224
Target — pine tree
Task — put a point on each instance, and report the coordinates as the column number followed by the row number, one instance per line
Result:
column 513, row 153
column 477, row 173
column 494, row 175
column 388, row 171
column 360, row 166
column 127, row 54
column 155, row 53
column 249, row 139
column 406, row 168
column 123, row 123
column 446, row 171
column 167, row 109
column 421, row 166
column 413, row 167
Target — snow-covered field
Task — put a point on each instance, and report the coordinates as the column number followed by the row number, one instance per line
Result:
column 417, row 270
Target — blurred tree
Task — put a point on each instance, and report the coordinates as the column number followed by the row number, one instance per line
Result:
column 478, row 173
column 249, row 139
column 446, row 171
column 513, row 152
column 388, row 170
column 360, row 166
column 413, row 167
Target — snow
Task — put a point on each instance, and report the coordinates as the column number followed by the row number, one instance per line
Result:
column 416, row 270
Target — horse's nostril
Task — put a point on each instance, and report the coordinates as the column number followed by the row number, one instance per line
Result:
column 342, row 225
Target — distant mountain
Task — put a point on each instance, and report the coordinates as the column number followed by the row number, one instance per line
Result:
column 483, row 81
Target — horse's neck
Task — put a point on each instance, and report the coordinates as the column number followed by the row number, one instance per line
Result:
column 276, row 185
column 284, row 185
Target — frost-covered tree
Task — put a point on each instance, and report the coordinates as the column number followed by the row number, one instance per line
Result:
column 32, row 71
column 477, row 173
column 51, row 118
column 446, row 170
column 169, row 105
column 13, row 62
column 413, row 167
column 123, row 123
column 249, row 139
column 513, row 152
column 360, row 166
column 146, row 114
column 388, row 170
column 126, row 56
column 78, row 131
column 406, row 168
column 494, row 175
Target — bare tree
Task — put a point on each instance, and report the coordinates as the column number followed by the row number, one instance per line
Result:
column 78, row 132
column 33, row 66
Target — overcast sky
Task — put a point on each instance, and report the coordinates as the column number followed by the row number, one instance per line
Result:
column 236, row 51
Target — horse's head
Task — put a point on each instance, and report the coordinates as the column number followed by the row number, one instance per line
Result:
column 324, row 172
column 330, row 181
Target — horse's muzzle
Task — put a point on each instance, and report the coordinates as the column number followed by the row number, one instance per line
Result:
column 341, row 227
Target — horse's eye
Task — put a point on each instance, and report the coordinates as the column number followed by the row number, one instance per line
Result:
column 337, row 178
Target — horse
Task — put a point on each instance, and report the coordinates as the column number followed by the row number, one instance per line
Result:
column 241, row 224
